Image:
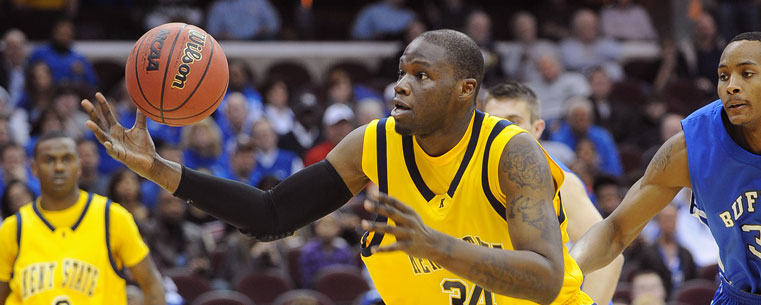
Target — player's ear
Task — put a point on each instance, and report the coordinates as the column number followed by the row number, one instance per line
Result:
column 539, row 126
column 467, row 89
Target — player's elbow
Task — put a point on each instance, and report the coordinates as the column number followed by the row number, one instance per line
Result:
column 551, row 288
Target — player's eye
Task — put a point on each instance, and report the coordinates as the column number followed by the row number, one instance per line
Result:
column 423, row 75
column 723, row 77
column 400, row 74
column 747, row 74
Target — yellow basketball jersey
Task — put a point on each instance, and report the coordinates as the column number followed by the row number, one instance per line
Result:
column 66, row 265
column 456, row 193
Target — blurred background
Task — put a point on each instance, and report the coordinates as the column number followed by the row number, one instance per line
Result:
column 614, row 76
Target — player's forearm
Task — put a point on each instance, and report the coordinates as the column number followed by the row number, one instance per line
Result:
column 5, row 290
column 597, row 248
column 297, row 201
column 154, row 294
column 519, row 274
column 601, row 284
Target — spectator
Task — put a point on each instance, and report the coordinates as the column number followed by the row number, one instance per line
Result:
column 235, row 122
column 276, row 106
column 607, row 194
column 645, row 128
column 175, row 242
column 306, row 127
column 672, row 262
column 578, row 125
column 15, row 167
column 90, row 179
column 478, row 28
column 66, row 104
column 554, row 17
column 48, row 121
column 448, row 14
column 14, row 122
column 13, row 56
column 613, row 115
column 242, row 20
column 325, row 249
column 368, row 110
column 339, row 88
column 124, row 188
column 384, row 19
column 521, row 58
column 202, row 144
column 271, row 160
column 338, row 121
column 586, row 49
column 164, row 11
column 647, row 288
column 242, row 80
column 624, row 20
column 697, row 59
column 39, row 89
column 555, row 87
column 16, row 195
column 65, row 64
column 242, row 162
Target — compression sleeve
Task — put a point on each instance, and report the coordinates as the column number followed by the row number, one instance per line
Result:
column 300, row 199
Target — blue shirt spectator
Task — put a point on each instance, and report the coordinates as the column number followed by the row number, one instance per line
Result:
column 579, row 126
column 243, row 20
column 388, row 17
column 65, row 64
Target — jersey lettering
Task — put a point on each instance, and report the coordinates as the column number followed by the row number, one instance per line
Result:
column 747, row 199
column 752, row 248
column 37, row 278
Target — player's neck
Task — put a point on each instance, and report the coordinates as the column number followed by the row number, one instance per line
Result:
column 445, row 138
column 749, row 138
column 57, row 203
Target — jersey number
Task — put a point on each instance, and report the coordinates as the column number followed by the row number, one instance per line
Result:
column 61, row 300
column 751, row 248
column 458, row 293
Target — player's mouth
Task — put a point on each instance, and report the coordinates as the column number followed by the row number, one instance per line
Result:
column 737, row 105
column 400, row 108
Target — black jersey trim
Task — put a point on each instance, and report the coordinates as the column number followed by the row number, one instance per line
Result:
column 381, row 156
column 111, row 259
column 495, row 204
column 18, row 241
column 84, row 211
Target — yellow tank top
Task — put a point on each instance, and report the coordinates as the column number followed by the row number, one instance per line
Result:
column 66, row 265
column 456, row 193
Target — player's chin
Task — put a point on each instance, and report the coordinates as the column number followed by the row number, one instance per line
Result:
column 403, row 130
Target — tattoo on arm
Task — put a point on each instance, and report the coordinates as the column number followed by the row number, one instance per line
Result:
column 663, row 158
column 524, row 168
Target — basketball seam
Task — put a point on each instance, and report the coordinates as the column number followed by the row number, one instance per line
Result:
column 137, row 77
column 166, row 70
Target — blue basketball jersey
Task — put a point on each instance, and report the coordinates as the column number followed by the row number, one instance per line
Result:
column 726, row 181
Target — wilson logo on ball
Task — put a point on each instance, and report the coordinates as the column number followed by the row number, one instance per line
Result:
column 155, row 54
column 192, row 52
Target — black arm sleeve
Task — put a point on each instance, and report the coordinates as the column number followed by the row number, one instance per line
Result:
column 297, row 201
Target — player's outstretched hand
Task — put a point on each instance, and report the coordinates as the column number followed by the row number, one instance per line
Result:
column 412, row 235
column 133, row 147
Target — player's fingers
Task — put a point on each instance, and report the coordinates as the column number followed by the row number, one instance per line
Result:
column 398, row 232
column 106, row 109
column 97, row 131
column 386, row 210
column 140, row 120
column 397, row 246
column 93, row 111
column 385, row 198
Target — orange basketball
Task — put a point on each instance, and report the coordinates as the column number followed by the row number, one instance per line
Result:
column 176, row 74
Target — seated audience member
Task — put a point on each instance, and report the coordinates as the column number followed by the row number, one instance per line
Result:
column 587, row 49
column 306, row 127
column 242, row 164
column 91, row 180
column 66, row 64
column 242, row 80
column 625, row 20
column 522, row 57
column 478, row 26
column 13, row 59
column 16, row 195
column 607, row 194
column 578, row 125
column 235, row 122
column 555, row 87
column 666, row 256
column 14, row 166
column 383, row 19
column 325, row 249
column 124, row 189
column 276, row 106
column 647, row 288
column 338, row 122
column 175, row 242
column 202, row 144
column 271, row 160
column 242, row 20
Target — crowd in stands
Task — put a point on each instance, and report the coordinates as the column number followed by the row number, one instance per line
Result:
column 605, row 116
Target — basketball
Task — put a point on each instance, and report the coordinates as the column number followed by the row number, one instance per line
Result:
column 176, row 74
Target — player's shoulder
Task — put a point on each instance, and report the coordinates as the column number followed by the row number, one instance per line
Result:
column 8, row 226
